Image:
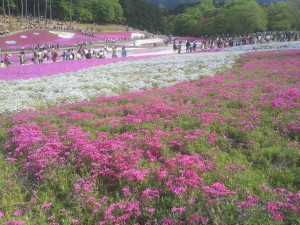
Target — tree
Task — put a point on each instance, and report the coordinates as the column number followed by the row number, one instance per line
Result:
column 143, row 15
column 186, row 23
column 207, row 8
column 245, row 16
column 107, row 11
column 279, row 18
column 46, row 9
column 50, row 7
column 8, row 6
column 217, row 23
column 39, row 9
column 21, row 12
column 294, row 11
column 3, row 6
column 70, row 11
column 26, row 10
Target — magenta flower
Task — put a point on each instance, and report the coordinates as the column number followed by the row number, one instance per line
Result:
column 46, row 206
column 178, row 209
column 74, row 221
column 17, row 212
column 151, row 210
column 14, row 223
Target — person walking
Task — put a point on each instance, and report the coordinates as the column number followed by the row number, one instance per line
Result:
column 179, row 46
column 22, row 57
column 54, row 55
column 7, row 60
column 40, row 56
column 124, row 52
column 88, row 55
column 114, row 52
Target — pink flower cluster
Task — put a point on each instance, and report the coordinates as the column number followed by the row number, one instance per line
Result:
column 51, row 69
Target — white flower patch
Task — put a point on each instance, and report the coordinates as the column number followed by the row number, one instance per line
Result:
column 148, row 41
column 63, row 34
column 137, row 35
column 36, row 33
column 10, row 42
column 264, row 47
column 110, row 79
column 23, row 36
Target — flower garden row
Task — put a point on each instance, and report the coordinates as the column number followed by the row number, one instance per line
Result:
column 34, row 37
column 218, row 150
column 68, row 81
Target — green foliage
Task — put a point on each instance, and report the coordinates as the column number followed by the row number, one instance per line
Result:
column 235, row 16
column 186, row 23
column 294, row 11
column 107, row 11
column 186, row 18
column 245, row 16
column 169, row 4
column 143, row 15
column 83, row 14
column 279, row 17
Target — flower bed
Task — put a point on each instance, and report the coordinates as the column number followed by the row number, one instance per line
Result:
column 222, row 148
column 27, row 39
column 34, row 37
column 71, row 83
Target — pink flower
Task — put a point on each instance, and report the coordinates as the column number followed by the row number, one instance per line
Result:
column 179, row 209
column 277, row 216
column 63, row 211
column 245, row 204
column 151, row 210
column 95, row 211
column 192, row 200
column 46, row 206
column 1, row 214
column 14, row 223
column 17, row 212
column 51, row 218
column 77, row 187
column 74, row 221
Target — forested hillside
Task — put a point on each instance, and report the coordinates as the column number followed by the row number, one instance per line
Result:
column 206, row 17
column 170, row 4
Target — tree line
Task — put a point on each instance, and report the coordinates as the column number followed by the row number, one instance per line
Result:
column 234, row 17
column 200, row 18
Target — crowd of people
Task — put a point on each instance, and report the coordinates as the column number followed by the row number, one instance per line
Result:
column 224, row 41
column 43, row 55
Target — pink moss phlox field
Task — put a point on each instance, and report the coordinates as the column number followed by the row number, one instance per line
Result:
column 159, row 155
column 34, row 37
column 29, row 71
column 50, row 69
column 29, row 37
